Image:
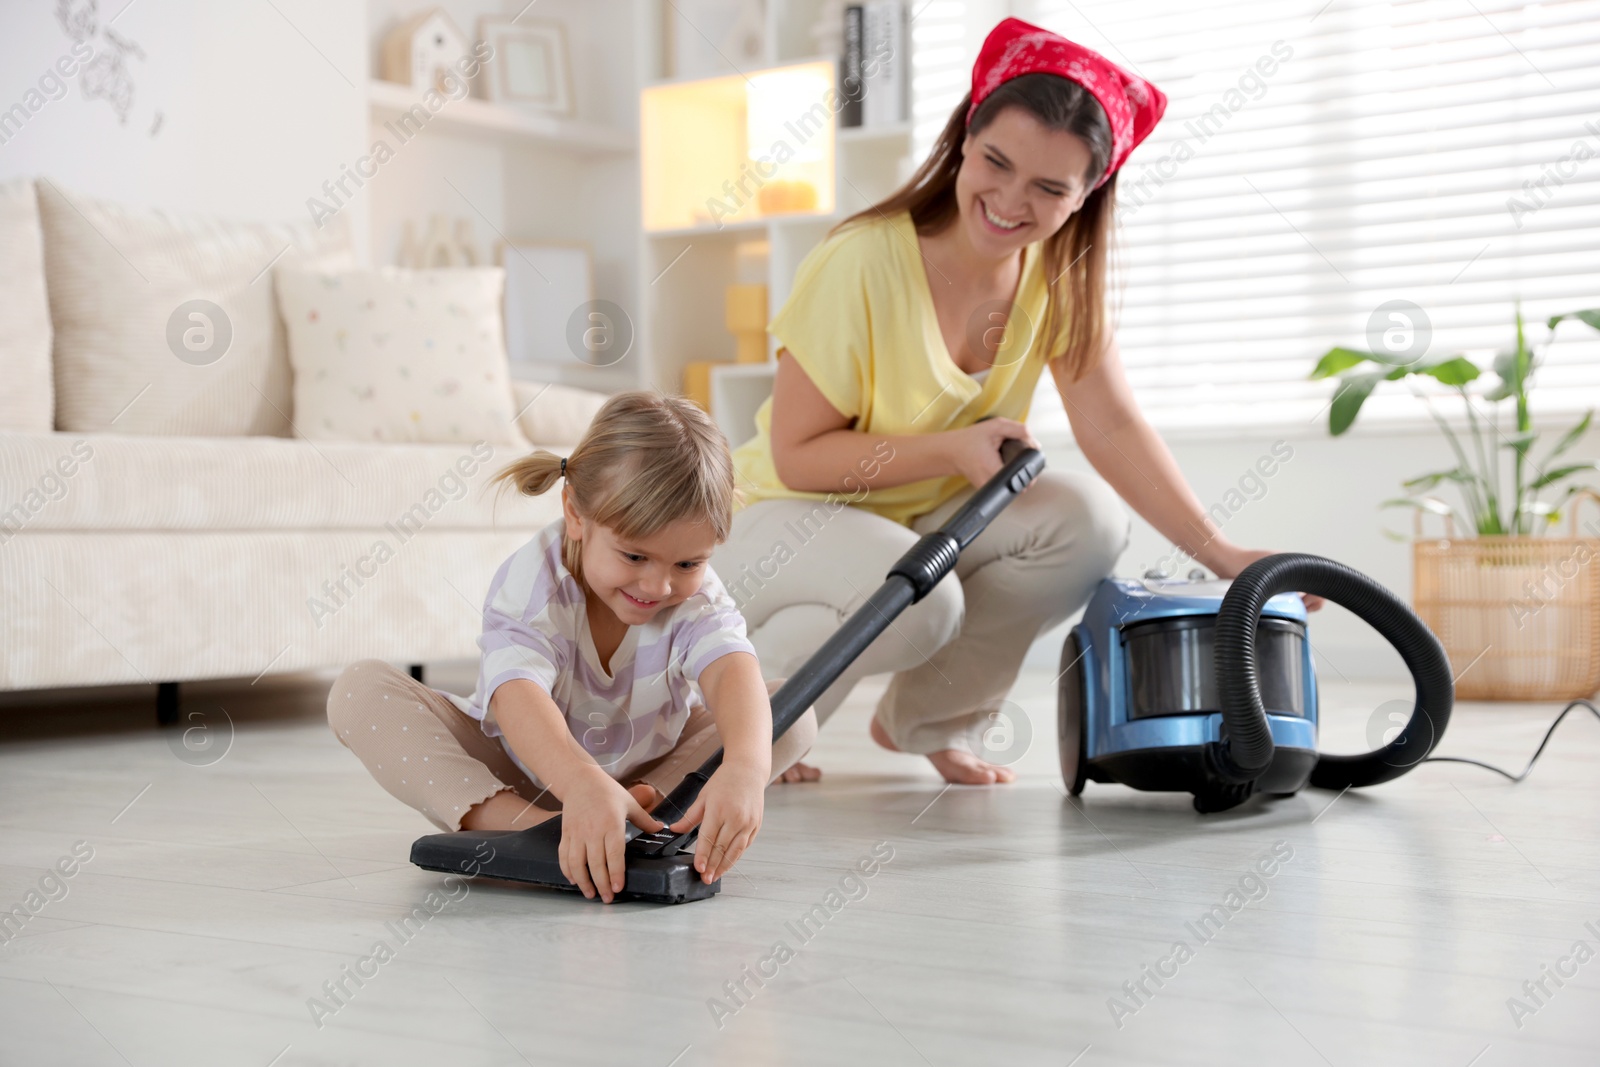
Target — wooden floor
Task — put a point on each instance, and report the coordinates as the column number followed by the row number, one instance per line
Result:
column 1002, row 928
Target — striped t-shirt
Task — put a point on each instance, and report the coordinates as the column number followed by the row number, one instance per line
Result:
column 535, row 626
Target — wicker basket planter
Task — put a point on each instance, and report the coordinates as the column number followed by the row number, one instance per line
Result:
column 1519, row 616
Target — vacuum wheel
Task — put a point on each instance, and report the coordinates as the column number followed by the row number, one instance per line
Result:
column 1071, row 705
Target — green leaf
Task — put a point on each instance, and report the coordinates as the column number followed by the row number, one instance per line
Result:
column 1457, row 371
column 1570, row 438
column 1338, row 360
column 1352, row 393
column 1505, row 367
column 1591, row 316
column 1553, row 476
column 1521, row 442
column 1423, row 482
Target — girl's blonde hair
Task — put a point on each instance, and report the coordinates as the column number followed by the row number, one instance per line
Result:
column 646, row 461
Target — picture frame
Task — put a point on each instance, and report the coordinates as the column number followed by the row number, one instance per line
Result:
column 546, row 283
column 530, row 66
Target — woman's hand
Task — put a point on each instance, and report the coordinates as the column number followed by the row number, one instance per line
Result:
column 1232, row 559
column 974, row 452
column 728, row 811
column 595, row 811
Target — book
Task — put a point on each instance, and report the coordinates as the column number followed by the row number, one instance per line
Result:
column 851, row 86
column 886, row 63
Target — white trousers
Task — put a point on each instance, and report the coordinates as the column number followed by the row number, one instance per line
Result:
column 799, row 568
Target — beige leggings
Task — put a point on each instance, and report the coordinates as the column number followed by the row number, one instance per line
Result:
column 430, row 755
column 799, row 568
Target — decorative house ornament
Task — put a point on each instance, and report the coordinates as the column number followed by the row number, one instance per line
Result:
column 424, row 51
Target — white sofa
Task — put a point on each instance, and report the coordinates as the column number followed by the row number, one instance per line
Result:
column 207, row 541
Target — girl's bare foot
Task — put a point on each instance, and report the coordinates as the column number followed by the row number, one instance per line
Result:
column 800, row 772
column 646, row 794
column 953, row 765
column 506, row 810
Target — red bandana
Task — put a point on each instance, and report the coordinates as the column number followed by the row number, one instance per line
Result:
column 1014, row 47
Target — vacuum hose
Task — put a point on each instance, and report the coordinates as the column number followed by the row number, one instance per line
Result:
column 1245, row 750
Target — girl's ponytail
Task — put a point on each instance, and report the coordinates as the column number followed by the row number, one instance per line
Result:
column 534, row 473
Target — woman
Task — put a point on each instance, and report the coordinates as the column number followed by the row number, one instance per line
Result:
column 912, row 321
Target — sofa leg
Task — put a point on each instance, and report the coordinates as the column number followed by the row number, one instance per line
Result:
column 416, row 671
column 166, row 703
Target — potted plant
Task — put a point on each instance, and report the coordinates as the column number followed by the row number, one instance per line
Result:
column 1517, row 610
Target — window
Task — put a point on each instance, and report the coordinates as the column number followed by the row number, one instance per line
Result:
column 1319, row 161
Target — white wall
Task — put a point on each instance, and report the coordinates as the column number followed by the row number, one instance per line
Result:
column 236, row 110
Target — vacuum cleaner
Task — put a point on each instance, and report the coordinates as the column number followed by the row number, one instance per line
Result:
column 1208, row 687
column 660, row 865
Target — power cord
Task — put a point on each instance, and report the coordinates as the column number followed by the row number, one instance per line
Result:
column 1507, row 774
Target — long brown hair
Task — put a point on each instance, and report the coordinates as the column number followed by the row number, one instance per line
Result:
column 1075, row 256
column 646, row 461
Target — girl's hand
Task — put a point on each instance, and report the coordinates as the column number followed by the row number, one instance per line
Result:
column 974, row 452
column 595, row 812
column 1234, row 559
column 730, row 806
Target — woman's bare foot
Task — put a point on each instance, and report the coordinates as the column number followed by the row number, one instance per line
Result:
column 880, row 735
column 963, row 768
column 800, row 772
column 506, row 810
column 955, row 766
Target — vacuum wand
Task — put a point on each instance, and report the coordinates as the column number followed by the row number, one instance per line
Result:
column 911, row 578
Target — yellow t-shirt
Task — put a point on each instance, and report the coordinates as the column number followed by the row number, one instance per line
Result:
column 861, row 323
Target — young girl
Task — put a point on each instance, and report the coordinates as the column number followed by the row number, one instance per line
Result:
column 600, row 638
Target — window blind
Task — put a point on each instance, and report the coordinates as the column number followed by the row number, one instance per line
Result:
column 1324, row 167
column 944, row 43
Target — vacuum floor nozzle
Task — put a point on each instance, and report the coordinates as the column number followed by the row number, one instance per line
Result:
column 652, row 873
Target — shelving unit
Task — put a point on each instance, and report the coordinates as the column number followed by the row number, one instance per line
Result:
column 524, row 177
column 682, row 309
column 520, row 176
column 471, row 116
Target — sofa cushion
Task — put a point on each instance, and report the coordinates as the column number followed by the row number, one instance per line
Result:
column 64, row 481
column 399, row 355
column 166, row 324
column 555, row 414
column 26, row 399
